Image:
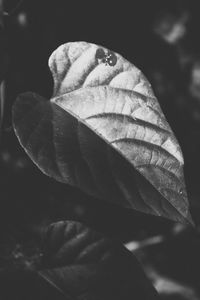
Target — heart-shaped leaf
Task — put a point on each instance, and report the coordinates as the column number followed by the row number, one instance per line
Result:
column 104, row 132
column 85, row 265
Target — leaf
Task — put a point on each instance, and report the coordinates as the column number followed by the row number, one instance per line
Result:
column 104, row 132
column 86, row 265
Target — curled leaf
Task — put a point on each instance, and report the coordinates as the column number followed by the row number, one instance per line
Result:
column 104, row 132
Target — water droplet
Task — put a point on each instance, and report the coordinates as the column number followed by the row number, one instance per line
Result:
column 181, row 191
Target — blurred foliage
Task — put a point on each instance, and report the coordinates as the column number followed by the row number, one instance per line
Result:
column 161, row 38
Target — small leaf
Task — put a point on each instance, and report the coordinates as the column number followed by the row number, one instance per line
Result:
column 86, row 265
column 104, row 132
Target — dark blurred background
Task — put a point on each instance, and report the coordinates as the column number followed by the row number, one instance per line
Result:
column 162, row 39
